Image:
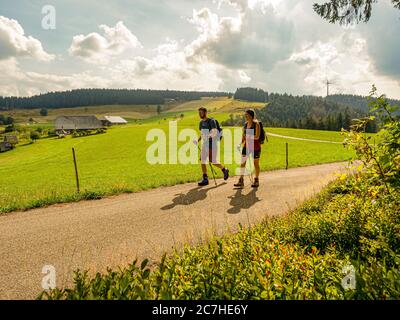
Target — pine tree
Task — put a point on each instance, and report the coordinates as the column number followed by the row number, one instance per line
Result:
column 348, row 11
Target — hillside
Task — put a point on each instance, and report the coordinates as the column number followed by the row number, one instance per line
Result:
column 96, row 97
column 354, row 101
column 303, row 112
column 275, row 110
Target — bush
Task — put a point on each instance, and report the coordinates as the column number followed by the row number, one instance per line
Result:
column 34, row 135
column 9, row 128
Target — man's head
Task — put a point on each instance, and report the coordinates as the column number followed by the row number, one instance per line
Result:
column 202, row 113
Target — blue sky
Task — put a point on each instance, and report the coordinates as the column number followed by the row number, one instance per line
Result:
column 277, row 45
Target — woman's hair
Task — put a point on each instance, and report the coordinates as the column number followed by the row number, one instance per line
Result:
column 251, row 113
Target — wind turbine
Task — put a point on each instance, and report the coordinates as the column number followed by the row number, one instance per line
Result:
column 328, row 83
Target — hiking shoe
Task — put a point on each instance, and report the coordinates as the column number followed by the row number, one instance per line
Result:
column 226, row 173
column 256, row 183
column 203, row 182
column 240, row 183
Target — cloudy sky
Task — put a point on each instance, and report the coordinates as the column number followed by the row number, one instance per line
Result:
column 277, row 45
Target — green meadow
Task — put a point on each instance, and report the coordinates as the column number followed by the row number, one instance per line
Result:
column 43, row 173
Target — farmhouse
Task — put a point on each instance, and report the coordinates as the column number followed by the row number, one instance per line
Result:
column 68, row 123
column 8, row 143
column 112, row 120
column 11, row 139
column 5, row 146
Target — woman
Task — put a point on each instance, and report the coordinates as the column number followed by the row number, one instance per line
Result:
column 251, row 146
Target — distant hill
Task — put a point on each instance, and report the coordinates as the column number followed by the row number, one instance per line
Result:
column 357, row 102
column 304, row 112
column 97, row 97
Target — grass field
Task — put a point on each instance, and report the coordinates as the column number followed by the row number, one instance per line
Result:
column 128, row 111
column 308, row 134
column 42, row 173
column 134, row 112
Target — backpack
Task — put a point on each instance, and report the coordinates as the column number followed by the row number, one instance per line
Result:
column 263, row 135
column 219, row 128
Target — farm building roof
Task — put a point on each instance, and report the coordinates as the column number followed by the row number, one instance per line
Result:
column 114, row 119
column 77, row 123
column 11, row 139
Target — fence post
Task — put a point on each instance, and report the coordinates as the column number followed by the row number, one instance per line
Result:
column 76, row 170
column 287, row 155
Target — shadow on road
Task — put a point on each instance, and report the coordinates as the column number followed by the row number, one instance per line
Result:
column 194, row 195
column 241, row 201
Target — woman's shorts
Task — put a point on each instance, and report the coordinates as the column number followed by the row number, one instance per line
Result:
column 255, row 153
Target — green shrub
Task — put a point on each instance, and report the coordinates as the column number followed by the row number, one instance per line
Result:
column 34, row 135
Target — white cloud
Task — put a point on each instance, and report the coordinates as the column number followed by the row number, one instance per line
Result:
column 96, row 48
column 168, row 68
column 244, row 77
column 243, row 5
column 16, row 82
column 255, row 38
column 14, row 42
column 343, row 60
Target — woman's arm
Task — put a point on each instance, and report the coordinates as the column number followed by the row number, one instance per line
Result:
column 258, row 131
column 243, row 136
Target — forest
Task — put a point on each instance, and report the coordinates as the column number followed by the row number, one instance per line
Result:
column 306, row 112
column 97, row 97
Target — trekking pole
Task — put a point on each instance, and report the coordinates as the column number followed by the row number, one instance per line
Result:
column 251, row 170
column 212, row 169
column 213, row 173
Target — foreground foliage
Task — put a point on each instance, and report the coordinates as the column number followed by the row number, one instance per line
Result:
column 354, row 222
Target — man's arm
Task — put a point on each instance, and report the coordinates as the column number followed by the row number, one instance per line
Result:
column 213, row 129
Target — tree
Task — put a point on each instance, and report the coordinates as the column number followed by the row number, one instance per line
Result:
column 347, row 120
column 6, row 120
column 339, row 122
column 251, row 94
column 320, row 124
column 34, row 136
column 9, row 128
column 348, row 11
column 43, row 112
column 159, row 109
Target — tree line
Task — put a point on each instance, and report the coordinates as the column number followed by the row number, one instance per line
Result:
column 96, row 97
column 359, row 102
column 251, row 94
column 304, row 112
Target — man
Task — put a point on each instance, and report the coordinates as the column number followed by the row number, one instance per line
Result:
column 210, row 136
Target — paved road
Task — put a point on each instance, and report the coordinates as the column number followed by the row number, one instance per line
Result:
column 113, row 231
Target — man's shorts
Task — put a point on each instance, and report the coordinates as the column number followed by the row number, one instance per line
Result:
column 209, row 152
column 255, row 153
